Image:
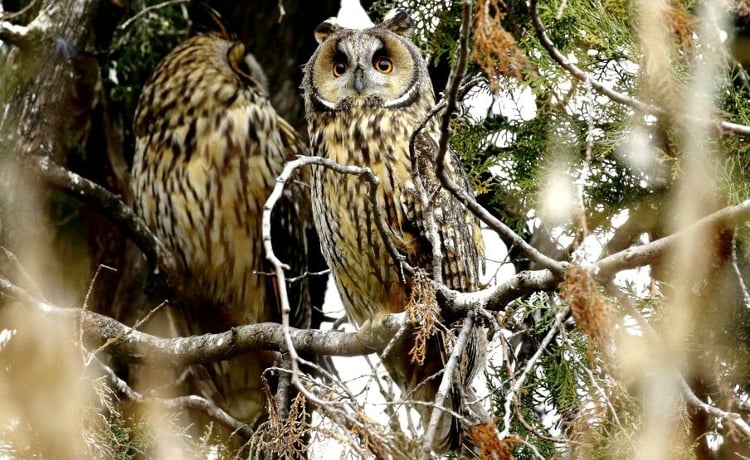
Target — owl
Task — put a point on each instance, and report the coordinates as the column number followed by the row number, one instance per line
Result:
column 209, row 147
column 366, row 91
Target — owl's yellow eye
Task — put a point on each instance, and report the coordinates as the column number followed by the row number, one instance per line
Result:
column 339, row 68
column 383, row 64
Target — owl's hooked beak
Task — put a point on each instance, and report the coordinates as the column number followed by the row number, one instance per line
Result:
column 359, row 80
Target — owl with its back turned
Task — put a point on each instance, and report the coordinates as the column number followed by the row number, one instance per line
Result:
column 209, row 147
column 366, row 91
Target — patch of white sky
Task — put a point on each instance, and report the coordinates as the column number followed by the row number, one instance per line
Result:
column 5, row 336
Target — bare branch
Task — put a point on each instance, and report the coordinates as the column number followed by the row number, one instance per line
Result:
column 621, row 98
column 637, row 256
column 447, row 380
column 516, row 387
column 731, row 417
column 26, row 278
column 149, row 9
column 137, row 346
column 179, row 403
column 454, row 303
column 114, row 209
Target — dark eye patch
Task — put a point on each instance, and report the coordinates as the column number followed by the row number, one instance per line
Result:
column 340, row 63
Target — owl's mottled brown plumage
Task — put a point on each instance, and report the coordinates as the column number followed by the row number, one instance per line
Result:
column 366, row 92
column 209, row 147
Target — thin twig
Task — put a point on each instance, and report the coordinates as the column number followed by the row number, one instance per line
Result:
column 27, row 278
column 621, row 98
column 447, row 382
column 574, row 355
column 531, row 429
column 182, row 402
column 85, row 354
column 516, row 387
column 282, row 11
column 149, row 9
column 532, row 448
column 136, row 326
column 12, row 15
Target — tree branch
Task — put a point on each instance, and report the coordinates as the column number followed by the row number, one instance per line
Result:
column 687, row 392
column 137, row 346
column 457, row 304
column 24, row 37
column 447, row 381
column 637, row 256
column 182, row 402
column 516, row 387
column 115, row 210
column 621, row 98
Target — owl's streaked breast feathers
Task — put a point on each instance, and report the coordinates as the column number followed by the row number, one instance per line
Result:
column 209, row 147
column 366, row 92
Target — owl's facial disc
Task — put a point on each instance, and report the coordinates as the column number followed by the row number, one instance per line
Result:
column 370, row 68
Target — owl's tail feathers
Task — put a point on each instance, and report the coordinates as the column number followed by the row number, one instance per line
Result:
column 460, row 409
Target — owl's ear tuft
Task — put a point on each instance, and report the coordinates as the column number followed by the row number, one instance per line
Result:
column 326, row 28
column 399, row 22
column 204, row 19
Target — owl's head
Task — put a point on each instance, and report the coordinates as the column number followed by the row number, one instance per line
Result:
column 378, row 66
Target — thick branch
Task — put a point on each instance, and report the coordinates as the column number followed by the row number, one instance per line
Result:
column 132, row 345
column 496, row 297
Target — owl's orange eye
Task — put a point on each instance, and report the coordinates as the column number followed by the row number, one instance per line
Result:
column 339, row 68
column 383, row 64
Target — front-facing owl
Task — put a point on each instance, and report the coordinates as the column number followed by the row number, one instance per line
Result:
column 366, row 93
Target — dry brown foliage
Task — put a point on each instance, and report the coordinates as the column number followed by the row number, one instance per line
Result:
column 494, row 49
column 591, row 311
column 491, row 447
column 739, row 7
column 286, row 438
column 681, row 23
column 423, row 313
